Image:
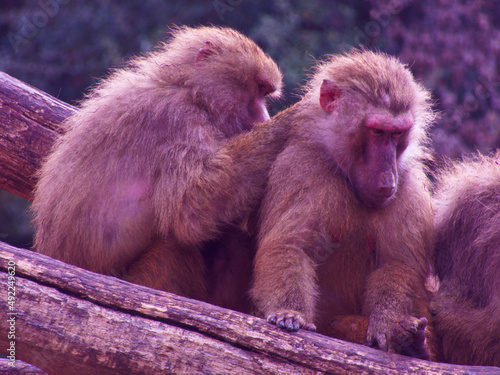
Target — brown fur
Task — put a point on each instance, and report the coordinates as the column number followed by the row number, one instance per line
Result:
column 159, row 159
column 467, row 222
column 229, row 263
column 326, row 259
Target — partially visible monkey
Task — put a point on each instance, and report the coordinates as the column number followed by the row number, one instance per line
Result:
column 467, row 224
column 161, row 157
column 346, row 222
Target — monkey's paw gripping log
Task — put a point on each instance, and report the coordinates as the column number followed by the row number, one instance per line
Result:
column 290, row 320
column 408, row 338
column 405, row 337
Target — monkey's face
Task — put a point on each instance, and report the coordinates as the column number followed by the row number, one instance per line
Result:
column 235, row 82
column 246, row 106
column 251, row 94
column 365, row 142
column 260, row 89
column 374, row 172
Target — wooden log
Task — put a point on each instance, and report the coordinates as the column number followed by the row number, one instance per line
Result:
column 7, row 367
column 68, row 320
column 29, row 123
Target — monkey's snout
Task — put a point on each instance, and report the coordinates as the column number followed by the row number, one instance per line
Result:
column 386, row 191
column 386, row 185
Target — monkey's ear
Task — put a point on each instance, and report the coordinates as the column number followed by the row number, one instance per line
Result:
column 328, row 94
column 204, row 53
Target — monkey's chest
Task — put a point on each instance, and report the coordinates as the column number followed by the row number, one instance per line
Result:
column 343, row 275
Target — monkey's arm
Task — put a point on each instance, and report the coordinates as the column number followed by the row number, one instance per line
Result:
column 218, row 186
column 285, row 287
column 392, row 294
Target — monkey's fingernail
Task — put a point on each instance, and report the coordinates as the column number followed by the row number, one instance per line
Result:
column 296, row 326
column 272, row 319
column 281, row 324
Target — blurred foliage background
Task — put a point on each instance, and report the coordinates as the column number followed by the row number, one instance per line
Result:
column 452, row 46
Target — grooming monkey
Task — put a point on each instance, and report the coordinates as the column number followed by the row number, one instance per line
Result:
column 163, row 156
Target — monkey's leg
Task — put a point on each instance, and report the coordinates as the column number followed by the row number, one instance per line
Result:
column 229, row 269
column 168, row 266
column 348, row 328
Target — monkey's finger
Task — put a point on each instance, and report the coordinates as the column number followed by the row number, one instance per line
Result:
column 310, row 327
column 413, row 324
column 280, row 320
column 422, row 323
column 292, row 324
column 272, row 319
column 410, row 326
column 381, row 341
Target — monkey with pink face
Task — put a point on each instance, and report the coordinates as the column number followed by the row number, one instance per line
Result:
column 345, row 231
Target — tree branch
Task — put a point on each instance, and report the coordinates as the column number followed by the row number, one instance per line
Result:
column 29, row 123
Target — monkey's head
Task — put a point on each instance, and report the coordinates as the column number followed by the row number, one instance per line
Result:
column 228, row 74
column 373, row 117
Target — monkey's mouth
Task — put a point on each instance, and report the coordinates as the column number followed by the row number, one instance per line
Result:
column 370, row 193
column 377, row 199
column 379, row 203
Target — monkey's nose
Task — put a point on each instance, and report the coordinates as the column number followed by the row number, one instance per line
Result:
column 265, row 115
column 387, row 184
column 386, row 191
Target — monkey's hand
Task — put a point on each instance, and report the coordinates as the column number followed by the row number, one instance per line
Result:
column 290, row 320
column 408, row 338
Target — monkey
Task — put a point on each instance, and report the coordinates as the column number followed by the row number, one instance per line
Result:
column 163, row 156
column 345, row 226
column 467, row 247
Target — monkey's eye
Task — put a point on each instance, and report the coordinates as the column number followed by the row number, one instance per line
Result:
column 265, row 90
column 377, row 131
column 397, row 134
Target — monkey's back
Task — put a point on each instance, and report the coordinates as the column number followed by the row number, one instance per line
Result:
column 467, row 227
column 93, row 203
